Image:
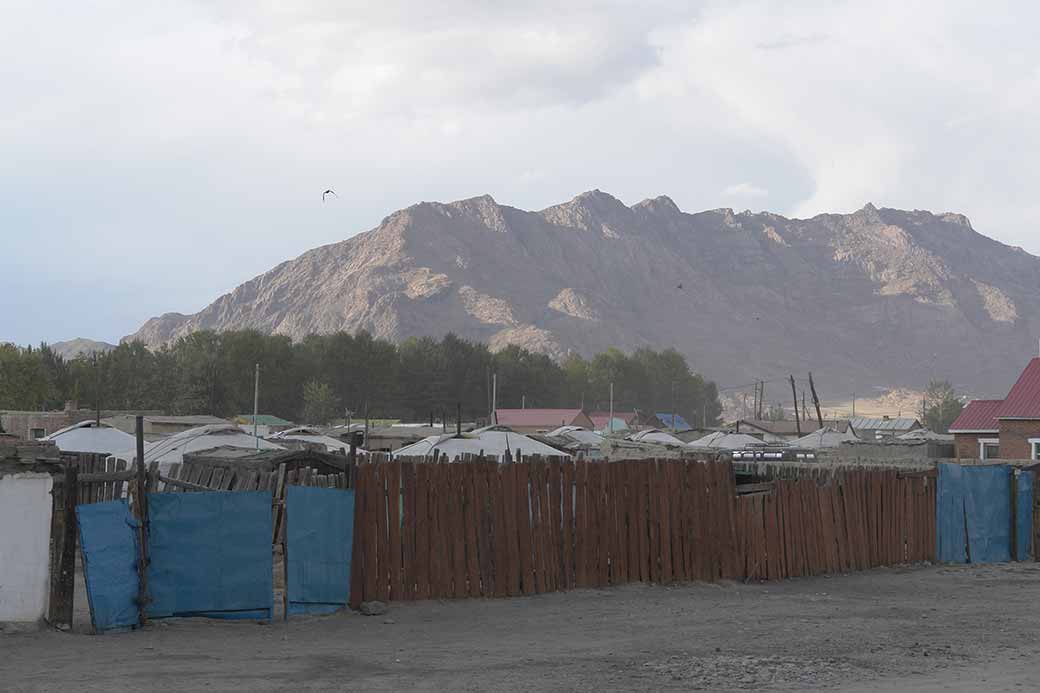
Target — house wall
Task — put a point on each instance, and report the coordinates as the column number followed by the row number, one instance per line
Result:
column 1014, row 438
column 25, row 529
column 967, row 444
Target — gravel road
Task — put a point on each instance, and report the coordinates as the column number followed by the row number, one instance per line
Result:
column 906, row 629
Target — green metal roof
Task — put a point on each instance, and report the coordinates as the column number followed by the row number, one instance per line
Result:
column 262, row 420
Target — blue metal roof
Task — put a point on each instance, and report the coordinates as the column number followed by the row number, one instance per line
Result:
column 680, row 422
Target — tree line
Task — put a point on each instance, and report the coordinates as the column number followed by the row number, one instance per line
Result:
column 319, row 378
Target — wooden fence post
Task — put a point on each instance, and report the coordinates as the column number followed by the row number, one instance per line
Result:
column 141, row 510
column 63, row 579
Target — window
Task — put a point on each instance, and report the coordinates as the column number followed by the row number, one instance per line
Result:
column 37, row 433
column 1034, row 448
column 989, row 448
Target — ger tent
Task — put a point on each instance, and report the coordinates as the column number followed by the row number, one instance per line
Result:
column 656, row 436
column 492, row 441
column 825, row 437
column 94, row 437
column 724, row 441
column 309, row 435
column 169, row 451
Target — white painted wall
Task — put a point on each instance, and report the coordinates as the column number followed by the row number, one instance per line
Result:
column 25, row 532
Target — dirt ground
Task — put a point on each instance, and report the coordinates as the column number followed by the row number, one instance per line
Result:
column 914, row 629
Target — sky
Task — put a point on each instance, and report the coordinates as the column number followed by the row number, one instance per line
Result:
column 154, row 155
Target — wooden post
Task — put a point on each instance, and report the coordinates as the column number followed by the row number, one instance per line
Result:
column 141, row 510
column 797, row 421
column 816, row 401
column 63, row 581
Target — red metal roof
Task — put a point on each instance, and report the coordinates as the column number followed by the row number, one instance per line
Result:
column 602, row 418
column 978, row 416
column 1023, row 402
column 548, row 418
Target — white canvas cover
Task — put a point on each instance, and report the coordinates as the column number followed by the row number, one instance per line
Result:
column 493, row 441
column 89, row 436
column 724, row 441
column 169, row 451
column 825, row 437
column 657, row 436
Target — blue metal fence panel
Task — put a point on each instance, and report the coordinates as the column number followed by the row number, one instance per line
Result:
column 210, row 554
column 949, row 514
column 987, row 510
column 108, row 538
column 973, row 513
column 1024, row 516
column 319, row 534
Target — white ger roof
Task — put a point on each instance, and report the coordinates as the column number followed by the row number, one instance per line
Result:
column 655, row 435
column 577, row 434
column 825, row 437
column 89, row 436
column 171, row 450
column 493, row 441
column 725, row 441
column 310, row 435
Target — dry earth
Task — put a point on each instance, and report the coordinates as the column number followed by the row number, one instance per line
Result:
column 906, row 629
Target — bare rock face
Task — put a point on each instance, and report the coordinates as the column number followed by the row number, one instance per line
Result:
column 877, row 298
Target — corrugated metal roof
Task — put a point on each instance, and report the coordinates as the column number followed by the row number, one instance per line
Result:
column 872, row 423
column 549, row 418
column 1023, row 402
column 979, row 415
column 680, row 422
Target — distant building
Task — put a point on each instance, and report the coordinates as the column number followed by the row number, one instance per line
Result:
column 976, row 432
column 34, row 425
column 672, row 422
column 878, row 428
column 601, row 420
column 786, row 430
column 1003, row 429
column 266, row 424
column 159, row 425
column 541, row 420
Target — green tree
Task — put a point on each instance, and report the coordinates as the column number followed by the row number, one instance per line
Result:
column 320, row 405
column 942, row 406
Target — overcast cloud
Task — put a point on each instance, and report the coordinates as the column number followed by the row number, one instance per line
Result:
column 154, row 155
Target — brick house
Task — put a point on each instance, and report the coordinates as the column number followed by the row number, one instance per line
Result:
column 1003, row 429
column 976, row 431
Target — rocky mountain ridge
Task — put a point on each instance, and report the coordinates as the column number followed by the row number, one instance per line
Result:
column 876, row 298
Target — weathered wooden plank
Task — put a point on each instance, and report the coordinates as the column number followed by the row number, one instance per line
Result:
column 537, row 525
column 523, row 521
column 470, row 524
column 373, row 504
column 556, row 564
column 423, row 535
column 581, row 472
column 567, row 524
column 357, row 558
column 602, row 527
column 639, row 565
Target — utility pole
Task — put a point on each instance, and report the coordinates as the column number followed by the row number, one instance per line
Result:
column 493, row 418
column 256, row 403
column 673, row 406
column 853, row 405
column 744, row 409
column 794, row 395
column 523, row 401
column 97, row 391
column 816, row 401
column 611, row 424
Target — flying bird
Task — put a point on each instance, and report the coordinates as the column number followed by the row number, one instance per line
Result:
column 330, row 191
column 680, row 286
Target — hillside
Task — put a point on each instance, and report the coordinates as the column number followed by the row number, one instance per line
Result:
column 877, row 298
column 80, row 346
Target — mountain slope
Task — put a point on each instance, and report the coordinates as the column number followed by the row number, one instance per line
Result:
column 880, row 297
column 80, row 346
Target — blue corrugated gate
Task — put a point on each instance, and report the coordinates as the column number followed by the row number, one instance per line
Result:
column 974, row 514
column 108, row 538
column 319, row 534
column 1024, row 516
column 210, row 554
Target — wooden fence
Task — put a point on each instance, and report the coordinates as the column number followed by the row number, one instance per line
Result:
column 479, row 529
